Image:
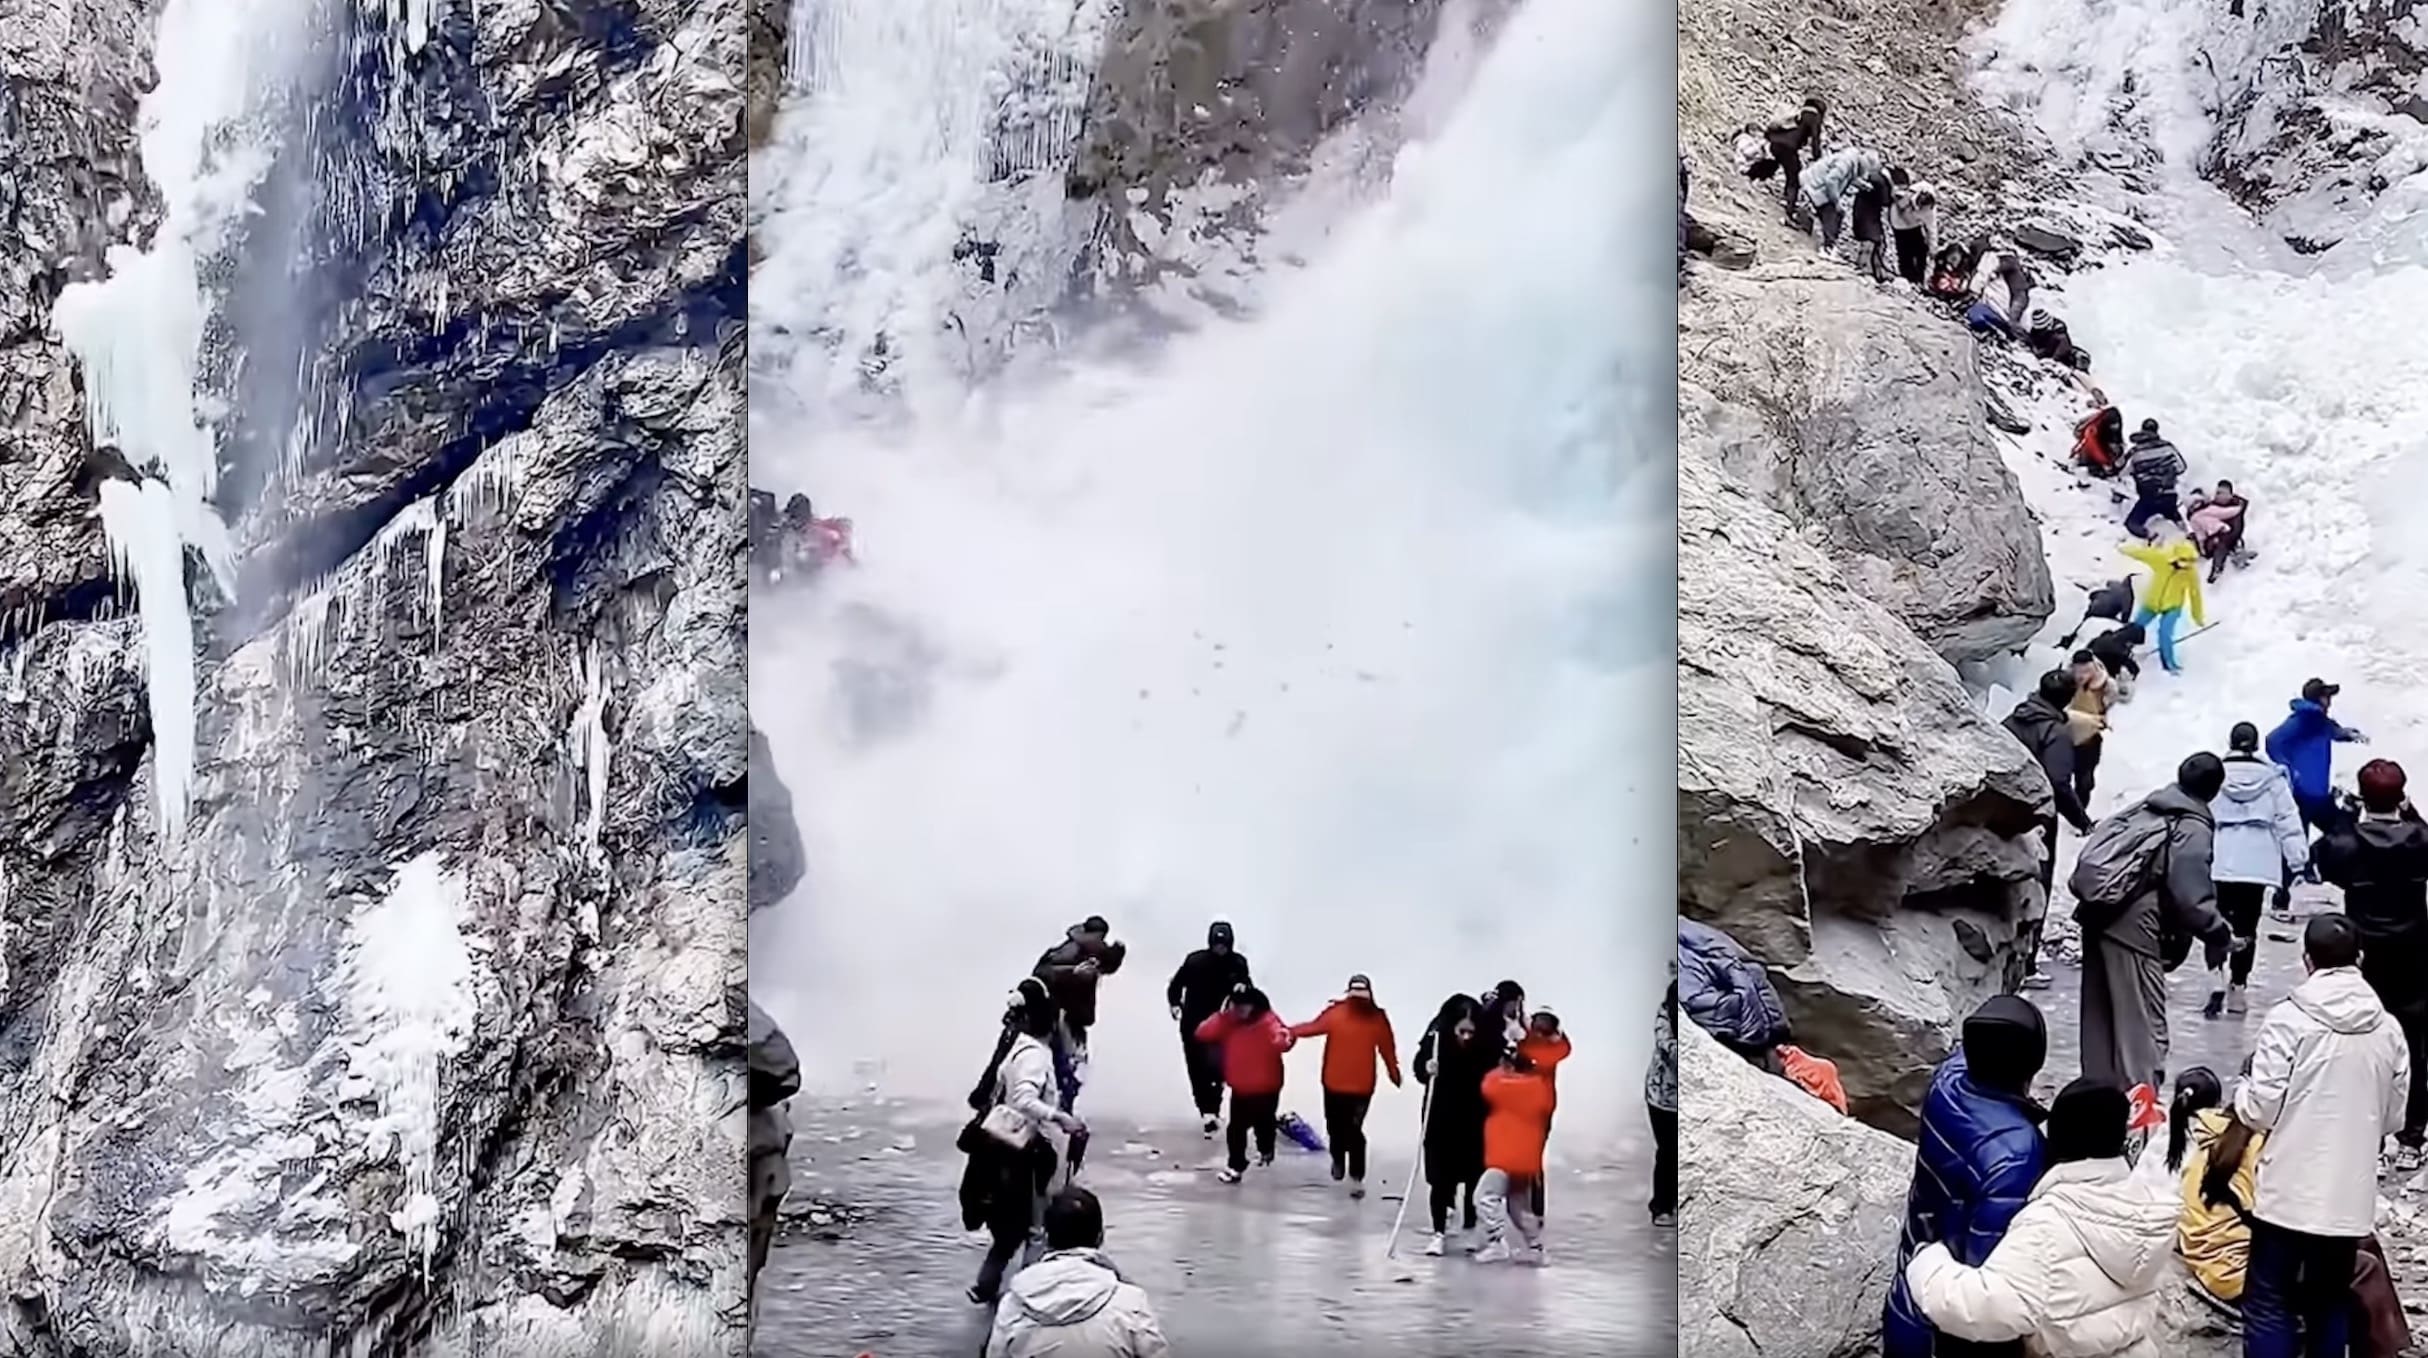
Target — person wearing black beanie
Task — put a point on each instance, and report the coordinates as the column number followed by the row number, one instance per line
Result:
column 1202, row 985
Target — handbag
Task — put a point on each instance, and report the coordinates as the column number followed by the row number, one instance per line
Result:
column 1005, row 1124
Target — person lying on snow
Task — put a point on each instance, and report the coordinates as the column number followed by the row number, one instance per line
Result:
column 1952, row 271
column 2217, row 520
column 2048, row 337
column 2078, row 1270
column 2099, row 441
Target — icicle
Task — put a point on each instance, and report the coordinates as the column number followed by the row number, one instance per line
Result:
column 139, row 521
column 589, row 740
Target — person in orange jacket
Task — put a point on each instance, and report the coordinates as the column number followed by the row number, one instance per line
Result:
column 1517, row 1124
column 1356, row 1034
column 1252, row 1039
column 1546, row 1046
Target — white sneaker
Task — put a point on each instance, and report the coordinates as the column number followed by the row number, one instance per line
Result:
column 2038, row 980
column 1493, row 1252
column 2238, row 999
column 2408, row 1159
column 1228, row 1176
column 1665, row 1221
column 1434, row 1245
column 1212, row 1125
column 1534, row 1257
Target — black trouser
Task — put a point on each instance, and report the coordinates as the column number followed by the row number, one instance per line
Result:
column 2414, row 1020
column 1345, row 1129
column 2086, row 776
column 2297, row 1294
column 1913, row 254
column 1205, row 1071
column 1446, row 1193
column 1256, row 1113
column 1832, row 220
column 1015, row 1211
column 2240, row 903
column 1791, row 170
column 1664, row 1159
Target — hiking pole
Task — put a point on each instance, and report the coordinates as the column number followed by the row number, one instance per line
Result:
column 1424, row 1125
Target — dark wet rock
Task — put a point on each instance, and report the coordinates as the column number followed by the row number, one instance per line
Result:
column 2048, row 241
column 777, row 860
column 491, row 614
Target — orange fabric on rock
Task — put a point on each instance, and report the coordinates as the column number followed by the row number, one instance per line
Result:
column 1519, row 1122
column 1354, row 1039
column 1815, row 1075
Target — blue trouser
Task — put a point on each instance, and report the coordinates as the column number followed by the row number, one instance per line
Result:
column 2297, row 1294
column 2166, row 634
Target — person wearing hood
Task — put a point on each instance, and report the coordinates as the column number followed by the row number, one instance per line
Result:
column 2040, row 722
column 1202, row 986
column 1073, row 1303
column 1913, row 218
column 1793, row 138
column 2154, row 466
column 2380, row 862
column 2142, row 887
column 1012, row 1159
column 1451, row 1062
column 2259, row 840
column 2330, row 1074
column 2079, row 1269
column 1831, row 188
column 775, row 1076
column 2174, row 589
column 1661, row 1105
column 1070, row 969
column 2304, row 742
column 1727, row 992
column 1979, row 1154
column 1252, row 1039
column 1357, row 1037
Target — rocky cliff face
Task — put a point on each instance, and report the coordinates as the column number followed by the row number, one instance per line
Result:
column 425, row 1033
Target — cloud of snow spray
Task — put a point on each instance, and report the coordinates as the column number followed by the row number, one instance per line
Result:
column 1350, row 624
column 2305, row 381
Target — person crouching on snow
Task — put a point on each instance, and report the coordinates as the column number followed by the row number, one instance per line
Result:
column 1252, row 1039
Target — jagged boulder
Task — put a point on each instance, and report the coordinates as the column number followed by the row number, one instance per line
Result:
column 1788, row 1214
column 1865, row 427
column 1843, row 809
column 777, row 860
column 770, row 44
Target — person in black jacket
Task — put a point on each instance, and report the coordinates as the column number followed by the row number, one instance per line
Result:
column 2380, row 860
column 2040, row 723
column 1452, row 1060
column 1070, row 970
column 2114, row 649
column 1202, row 985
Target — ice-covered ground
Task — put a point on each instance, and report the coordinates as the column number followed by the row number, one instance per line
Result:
column 1346, row 622
column 2305, row 381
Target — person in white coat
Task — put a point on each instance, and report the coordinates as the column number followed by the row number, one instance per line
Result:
column 1018, row 1155
column 2078, row 1272
column 2329, row 1078
column 1073, row 1303
column 2261, row 844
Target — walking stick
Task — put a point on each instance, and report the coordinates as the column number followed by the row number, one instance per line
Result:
column 1424, row 1124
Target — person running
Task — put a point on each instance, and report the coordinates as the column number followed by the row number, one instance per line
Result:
column 1661, row 1105
column 1357, row 1034
column 1070, row 969
column 2380, row 862
column 1012, row 1160
column 2259, row 840
column 1979, row 1155
column 2154, row 466
column 2040, row 723
column 2087, row 721
column 2174, row 589
column 1729, row 995
column 1073, row 1303
column 2304, row 742
column 2329, row 1076
column 2142, row 879
column 1518, row 1101
column 1793, row 138
column 1201, row 986
column 2079, row 1268
column 1451, row 1063
column 1252, row 1039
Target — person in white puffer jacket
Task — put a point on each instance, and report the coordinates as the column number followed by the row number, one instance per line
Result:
column 1073, row 1303
column 2260, row 845
column 2078, row 1272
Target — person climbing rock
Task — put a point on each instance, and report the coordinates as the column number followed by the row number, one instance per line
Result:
column 2079, row 1269
column 2379, row 860
column 1451, row 1062
column 2040, row 723
column 1729, row 995
column 1517, row 1123
column 1975, row 1163
column 1252, row 1039
column 2174, row 590
column 1070, row 970
column 1661, row 1104
column 2304, row 742
column 2143, row 880
column 2259, row 839
column 2087, row 721
column 1913, row 218
column 1201, row 986
column 775, row 1076
column 1357, row 1035
column 1073, row 1303
column 1835, row 181
column 2330, row 1074
column 1794, row 137
column 2154, row 466
column 2099, row 441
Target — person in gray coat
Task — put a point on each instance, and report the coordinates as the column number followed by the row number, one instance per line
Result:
column 2143, row 889
column 2260, row 842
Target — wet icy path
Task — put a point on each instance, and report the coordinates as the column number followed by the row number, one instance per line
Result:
column 1283, row 1263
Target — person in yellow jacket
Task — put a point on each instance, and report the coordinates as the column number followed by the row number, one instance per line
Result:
column 2174, row 590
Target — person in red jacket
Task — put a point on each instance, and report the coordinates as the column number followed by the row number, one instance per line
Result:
column 1546, row 1046
column 1517, row 1124
column 1356, row 1034
column 1251, row 1038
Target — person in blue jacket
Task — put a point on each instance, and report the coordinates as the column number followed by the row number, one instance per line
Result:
column 1726, row 991
column 2304, row 743
column 1979, row 1155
